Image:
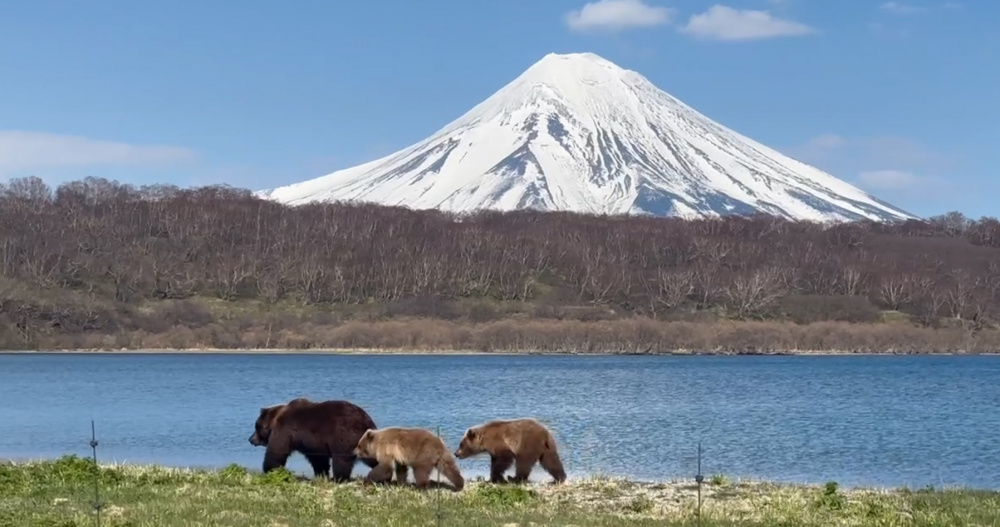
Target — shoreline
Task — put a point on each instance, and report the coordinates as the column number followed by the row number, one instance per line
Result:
column 476, row 353
column 518, row 336
column 539, row 478
column 149, row 494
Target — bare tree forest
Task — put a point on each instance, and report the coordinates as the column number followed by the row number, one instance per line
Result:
column 95, row 261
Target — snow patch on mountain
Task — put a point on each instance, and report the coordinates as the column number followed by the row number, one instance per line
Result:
column 577, row 133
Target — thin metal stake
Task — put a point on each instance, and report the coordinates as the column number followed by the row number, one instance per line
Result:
column 97, row 475
column 699, row 478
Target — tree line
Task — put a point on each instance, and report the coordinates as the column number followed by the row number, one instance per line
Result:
column 130, row 246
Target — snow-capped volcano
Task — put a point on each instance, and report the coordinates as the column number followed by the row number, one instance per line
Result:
column 578, row 133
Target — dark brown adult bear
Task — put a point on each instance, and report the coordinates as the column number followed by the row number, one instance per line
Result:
column 324, row 432
column 523, row 442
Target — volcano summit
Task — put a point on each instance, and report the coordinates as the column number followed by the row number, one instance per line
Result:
column 577, row 133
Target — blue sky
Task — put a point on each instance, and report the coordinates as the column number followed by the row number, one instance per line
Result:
column 897, row 97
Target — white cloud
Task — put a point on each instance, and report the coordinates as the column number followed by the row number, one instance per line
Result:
column 728, row 24
column 894, row 180
column 897, row 166
column 902, row 183
column 899, row 8
column 21, row 151
column 827, row 141
column 819, row 149
column 899, row 152
column 616, row 15
column 903, row 152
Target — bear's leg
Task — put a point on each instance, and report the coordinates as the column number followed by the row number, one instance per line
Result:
column 342, row 467
column 380, row 474
column 449, row 468
column 370, row 461
column 422, row 476
column 320, row 465
column 522, row 468
column 553, row 465
column 499, row 463
column 401, row 471
column 278, row 450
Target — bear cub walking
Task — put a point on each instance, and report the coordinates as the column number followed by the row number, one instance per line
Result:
column 519, row 442
column 408, row 447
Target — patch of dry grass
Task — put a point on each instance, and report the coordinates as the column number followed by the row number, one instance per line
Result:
column 634, row 335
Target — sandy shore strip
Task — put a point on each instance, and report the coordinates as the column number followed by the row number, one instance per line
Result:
column 386, row 351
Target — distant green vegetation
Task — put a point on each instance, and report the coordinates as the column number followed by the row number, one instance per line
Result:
column 60, row 493
column 476, row 325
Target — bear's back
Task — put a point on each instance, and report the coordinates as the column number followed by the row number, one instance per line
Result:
column 327, row 414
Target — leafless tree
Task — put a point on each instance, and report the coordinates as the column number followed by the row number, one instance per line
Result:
column 120, row 246
column 750, row 293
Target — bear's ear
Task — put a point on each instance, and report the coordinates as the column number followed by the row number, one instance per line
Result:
column 470, row 433
column 263, row 410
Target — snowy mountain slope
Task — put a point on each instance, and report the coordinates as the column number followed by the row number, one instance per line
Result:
column 576, row 132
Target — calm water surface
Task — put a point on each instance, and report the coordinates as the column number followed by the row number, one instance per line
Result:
column 857, row 420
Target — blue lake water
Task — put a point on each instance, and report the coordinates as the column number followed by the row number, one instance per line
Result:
column 865, row 420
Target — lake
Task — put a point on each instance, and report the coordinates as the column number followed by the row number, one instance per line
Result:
column 863, row 420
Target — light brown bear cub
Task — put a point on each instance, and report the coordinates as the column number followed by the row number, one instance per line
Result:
column 408, row 447
column 521, row 441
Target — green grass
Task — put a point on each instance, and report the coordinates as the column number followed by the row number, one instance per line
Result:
column 895, row 317
column 60, row 493
column 719, row 480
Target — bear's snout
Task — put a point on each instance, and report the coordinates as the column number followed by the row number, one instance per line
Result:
column 254, row 440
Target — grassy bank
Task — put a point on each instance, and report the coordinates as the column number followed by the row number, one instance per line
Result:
column 60, row 319
column 490, row 328
column 61, row 493
column 518, row 335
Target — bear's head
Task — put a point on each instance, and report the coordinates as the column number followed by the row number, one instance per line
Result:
column 470, row 445
column 268, row 415
column 364, row 448
column 265, row 422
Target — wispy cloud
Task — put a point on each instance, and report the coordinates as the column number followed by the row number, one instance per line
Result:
column 899, row 152
column 21, row 151
column 827, row 141
column 729, row 24
column 901, row 181
column 819, row 150
column 617, row 15
column 895, row 166
column 900, row 8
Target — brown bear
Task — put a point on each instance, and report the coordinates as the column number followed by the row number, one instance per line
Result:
column 521, row 441
column 324, row 432
column 408, row 447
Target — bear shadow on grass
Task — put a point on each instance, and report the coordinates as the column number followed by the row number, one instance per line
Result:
column 360, row 480
column 432, row 485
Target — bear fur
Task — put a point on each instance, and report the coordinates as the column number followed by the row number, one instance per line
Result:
column 324, row 432
column 408, row 447
column 520, row 442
